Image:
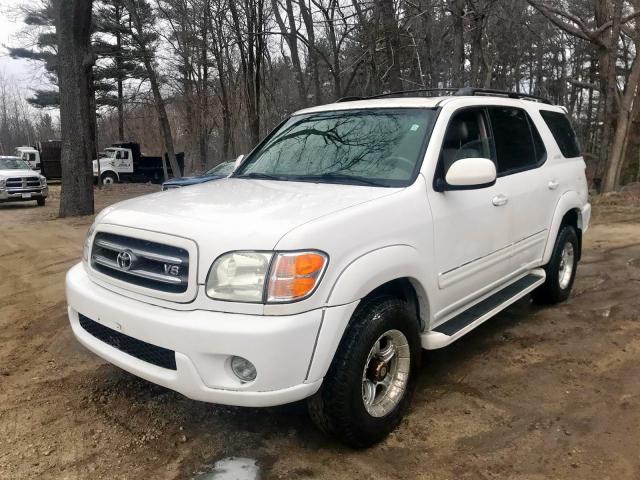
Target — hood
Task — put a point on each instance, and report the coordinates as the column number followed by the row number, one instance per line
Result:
column 238, row 214
column 23, row 172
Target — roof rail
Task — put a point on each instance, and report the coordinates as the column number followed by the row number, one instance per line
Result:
column 350, row 99
column 464, row 91
column 417, row 90
column 470, row 91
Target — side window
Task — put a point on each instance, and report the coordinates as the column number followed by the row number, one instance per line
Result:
column 125, row 155
column 562, row 132
column 518, row 143
column 32, row 157
column 467, row 136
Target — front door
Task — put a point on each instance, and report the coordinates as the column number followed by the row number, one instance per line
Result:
column 471, row 227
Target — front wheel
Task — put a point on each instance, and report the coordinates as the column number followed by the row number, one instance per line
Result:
column 109, row 178
column 367, row 390
column 561, row 269
column 41, row 202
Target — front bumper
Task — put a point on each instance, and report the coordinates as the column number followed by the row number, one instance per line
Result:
column 23, row 196
column 280, row 347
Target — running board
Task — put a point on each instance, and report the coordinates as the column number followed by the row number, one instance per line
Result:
column 456, row 327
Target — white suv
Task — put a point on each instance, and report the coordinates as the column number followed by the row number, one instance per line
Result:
column 353, row 236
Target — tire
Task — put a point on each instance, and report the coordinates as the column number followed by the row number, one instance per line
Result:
column 338, row 408
column 109, row 178
column 41, row 202
column 559, row 282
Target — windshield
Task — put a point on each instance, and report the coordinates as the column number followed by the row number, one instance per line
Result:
column 379, row 147
column 13, row 163
column 225, row 168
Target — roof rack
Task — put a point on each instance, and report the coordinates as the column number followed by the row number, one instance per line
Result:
column 456, row 92
column 470, row 91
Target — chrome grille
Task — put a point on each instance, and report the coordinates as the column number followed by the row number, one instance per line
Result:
column 141, row 262
column 23, row 184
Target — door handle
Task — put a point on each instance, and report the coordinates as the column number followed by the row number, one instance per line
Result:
column 500, row 200
column 552, row 185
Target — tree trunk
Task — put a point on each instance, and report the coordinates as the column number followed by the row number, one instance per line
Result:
column 457, row 9
column 311, row 50
column 75, row 62
column 250, row 60
column 119, row 80
column 607, row 53
column 163, row 119
column 392, row 43
column 616, row 155
column 291, row 37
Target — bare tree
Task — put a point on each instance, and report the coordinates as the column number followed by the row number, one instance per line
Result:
column 610, row 22
column 141, row 16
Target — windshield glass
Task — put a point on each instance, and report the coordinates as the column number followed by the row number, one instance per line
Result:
column 111, row 153
column 379, row 147
column 13, row 163
column 225, row 168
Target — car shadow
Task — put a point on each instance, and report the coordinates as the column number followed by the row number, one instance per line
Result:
column 18, row 205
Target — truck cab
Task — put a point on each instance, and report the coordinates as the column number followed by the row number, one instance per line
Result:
column 30, row 155
column 115, row 165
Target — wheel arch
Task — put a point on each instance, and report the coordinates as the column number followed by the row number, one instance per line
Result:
column 395, row 269
column 399, row 275
column 109, row 170
column 568, row 212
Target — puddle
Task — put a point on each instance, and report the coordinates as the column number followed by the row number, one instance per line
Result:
column 232, row 468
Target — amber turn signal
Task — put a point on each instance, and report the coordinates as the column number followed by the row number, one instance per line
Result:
column 295, row 275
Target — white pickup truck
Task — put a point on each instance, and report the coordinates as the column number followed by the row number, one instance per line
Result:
column 355, row 235
column 19, row 183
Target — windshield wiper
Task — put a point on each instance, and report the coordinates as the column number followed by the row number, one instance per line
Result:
column 339, row 178
column 263, row 176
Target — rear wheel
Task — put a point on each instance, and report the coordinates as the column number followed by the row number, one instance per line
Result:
column 367, row 390
column 109, row 178
column 561, row 269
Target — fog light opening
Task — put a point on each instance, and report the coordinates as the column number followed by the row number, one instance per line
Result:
column 243, row 369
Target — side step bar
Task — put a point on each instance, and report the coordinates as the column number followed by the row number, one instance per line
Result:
column 456, row 327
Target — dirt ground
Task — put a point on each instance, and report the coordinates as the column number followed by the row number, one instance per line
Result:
column 534, row 393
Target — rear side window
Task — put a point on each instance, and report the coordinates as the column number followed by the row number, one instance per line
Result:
column 562, row 132
column 517, row 141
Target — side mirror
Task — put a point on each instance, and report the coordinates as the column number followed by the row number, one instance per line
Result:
column 238, row 162
column 470, row 173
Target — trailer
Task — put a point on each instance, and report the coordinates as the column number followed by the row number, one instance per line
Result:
column 45, row 158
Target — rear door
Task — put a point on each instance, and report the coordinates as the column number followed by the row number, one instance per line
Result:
column 522, row 174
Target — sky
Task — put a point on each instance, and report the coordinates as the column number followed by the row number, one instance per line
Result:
column 24, row 73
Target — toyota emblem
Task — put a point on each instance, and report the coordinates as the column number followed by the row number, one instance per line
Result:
column 125, row 260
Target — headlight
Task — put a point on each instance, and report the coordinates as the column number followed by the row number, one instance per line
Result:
column 239, row 276
column 43, row 181
column 3, row 182
column 87, row 243
column 265, row 276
